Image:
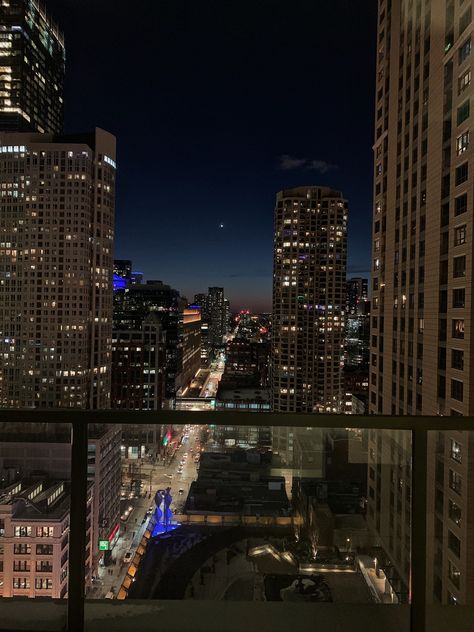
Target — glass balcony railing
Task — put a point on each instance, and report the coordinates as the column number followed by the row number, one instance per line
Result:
column 252, row 522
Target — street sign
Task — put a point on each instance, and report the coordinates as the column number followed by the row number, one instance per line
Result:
column 103, row 545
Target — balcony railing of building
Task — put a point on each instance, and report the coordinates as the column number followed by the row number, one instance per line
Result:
column 226, row 616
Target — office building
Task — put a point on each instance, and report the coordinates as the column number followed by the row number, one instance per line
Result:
column 357, row 323
column 104, row 470
column 136, row 277
column 309, row 299
column 215, row 321
column 56, row 246
column 135, row 302
column 123, row 269
column 139, row 366
column 357, row 295
column 191, row 344
column 44, row 450
column 422, row 284
column 34, row 531
column 32, row 69
column 218, row 313
column 201, row 301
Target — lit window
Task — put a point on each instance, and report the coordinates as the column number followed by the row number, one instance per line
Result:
column 462, row 143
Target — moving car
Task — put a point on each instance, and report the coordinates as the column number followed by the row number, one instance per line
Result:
column 109, row 595
column 128, row 557
column 181, row 491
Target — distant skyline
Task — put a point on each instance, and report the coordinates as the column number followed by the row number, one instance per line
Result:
column 217, row 106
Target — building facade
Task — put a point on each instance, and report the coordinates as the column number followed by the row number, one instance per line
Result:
column 309, row 298
column 421, row 339
column 191, row 344
column 32, row 70
column 135, row 302
column 44, row 450
column 56, row 249
column 34, row 538
column 139, row 366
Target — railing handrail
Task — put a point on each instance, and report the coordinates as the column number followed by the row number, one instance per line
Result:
column 80, row 419
column 238, row 418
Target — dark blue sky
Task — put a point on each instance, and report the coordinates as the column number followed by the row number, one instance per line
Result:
column 205, row 97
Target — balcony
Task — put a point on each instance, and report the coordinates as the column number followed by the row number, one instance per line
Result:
column 358, row 591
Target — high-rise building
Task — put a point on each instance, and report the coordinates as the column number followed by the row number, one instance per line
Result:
column 357, row 323
column 57, row 201
column 191, row 344
column 309, row 299
column 357, row 295
column 123, row 269
column 422, row 285
column 32, row 70
column 134, row 303
column 215, row 321
column 136, row 277
column 201, row 301
column 139, row 366
column 217, row 316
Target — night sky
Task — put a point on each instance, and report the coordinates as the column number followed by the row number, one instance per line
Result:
column 217, row 105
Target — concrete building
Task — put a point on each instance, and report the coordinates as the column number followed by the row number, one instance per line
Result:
column 34, row 538
column 239, row 483
column 56, row 246
column 422, row 284
column 135, row 302
column 123, row 269
column 32, row 70
column 201, row 301
column 104, row 470
column 309, row 299
column 215, row 321
column 218, row 312
column 139, row 366
column 40, row 450
column 191, row 344
column 138, row 382
column 357, row 323
column 357, row 295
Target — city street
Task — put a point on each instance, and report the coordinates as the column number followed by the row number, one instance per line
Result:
column 212, row 383
column 178, row 475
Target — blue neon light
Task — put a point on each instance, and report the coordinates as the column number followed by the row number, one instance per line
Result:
column 119, row 282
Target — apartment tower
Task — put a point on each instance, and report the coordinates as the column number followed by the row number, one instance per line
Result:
column 309, row 298
column 32, row 60
column 57, row 199
column 422, row 360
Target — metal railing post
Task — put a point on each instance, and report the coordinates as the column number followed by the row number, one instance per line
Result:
column 418, row 532
column 77, row 527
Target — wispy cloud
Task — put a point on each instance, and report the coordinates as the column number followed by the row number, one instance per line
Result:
column 321, row 165
column 288, row 163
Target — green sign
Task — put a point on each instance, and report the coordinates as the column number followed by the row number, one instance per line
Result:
column 103, row 545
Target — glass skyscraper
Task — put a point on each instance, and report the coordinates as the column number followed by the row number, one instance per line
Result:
column 32, row 62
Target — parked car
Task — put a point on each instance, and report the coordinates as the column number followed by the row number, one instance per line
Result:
column 110, row 595
column 128, row 557
column 181, row 491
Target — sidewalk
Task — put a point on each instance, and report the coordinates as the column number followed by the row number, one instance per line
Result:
column 113, row 579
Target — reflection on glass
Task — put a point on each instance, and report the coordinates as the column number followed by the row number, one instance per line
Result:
column 256, row 513
column 34, row 517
